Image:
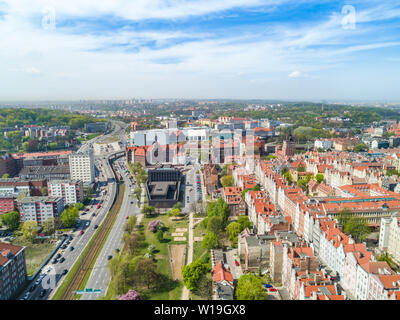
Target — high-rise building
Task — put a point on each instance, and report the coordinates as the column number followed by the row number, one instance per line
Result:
column 81, row 166
column 40, row 209
column 12, row 270
column 70, row 191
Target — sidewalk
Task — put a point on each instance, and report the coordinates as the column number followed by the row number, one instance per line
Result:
column 185, row 291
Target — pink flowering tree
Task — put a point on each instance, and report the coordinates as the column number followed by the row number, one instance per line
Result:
column 130, row 295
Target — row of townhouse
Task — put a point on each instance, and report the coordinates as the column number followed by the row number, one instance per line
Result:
column 315, row 225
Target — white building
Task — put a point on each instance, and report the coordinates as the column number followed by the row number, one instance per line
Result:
column 40, row 209
column 389, row 237
column 323, row 144
column 70, row 191
column 81, row 166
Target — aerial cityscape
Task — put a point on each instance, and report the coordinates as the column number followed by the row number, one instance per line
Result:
column 199, row 150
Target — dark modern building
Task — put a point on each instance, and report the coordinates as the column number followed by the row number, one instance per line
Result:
column 96, row 127
column 162, row 186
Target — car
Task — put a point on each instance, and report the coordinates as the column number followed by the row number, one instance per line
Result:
column 272, row 290
column 32, row 288
column 109, row 257
column 71, row 248
column 117, row 250
column 54, row 261
column 47, row 270
column 131, row 202
column 87, row 224
column 62, row 259
column 81, row 233
column 38, row 281
column 83, row 213
column 93, row 214
column 127, row 217
column 27, row 295
column 43, row 293
column 65, row 271
column 267, row 286
column 64, row 246
column 58, row 255
column 237, row 263
column 95, row 226
column 332, row 278
column 68, row 242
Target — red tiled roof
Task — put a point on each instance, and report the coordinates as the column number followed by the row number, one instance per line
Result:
column 220, row 273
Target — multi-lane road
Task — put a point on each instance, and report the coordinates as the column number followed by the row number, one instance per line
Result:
column 100, row 277
column 87, row 224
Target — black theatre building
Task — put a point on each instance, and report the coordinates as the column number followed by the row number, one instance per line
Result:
column 162, row 186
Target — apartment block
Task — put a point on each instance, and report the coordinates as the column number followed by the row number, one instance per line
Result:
column 81, row 167
column 40, row 209
column 12, row 270
column 70, row 191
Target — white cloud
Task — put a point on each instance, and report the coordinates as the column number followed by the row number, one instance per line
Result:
column 295, row 74
column 71, row 63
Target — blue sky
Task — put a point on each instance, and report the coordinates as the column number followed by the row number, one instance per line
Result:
column 272, row 49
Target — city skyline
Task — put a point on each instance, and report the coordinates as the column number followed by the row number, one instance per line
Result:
column 254, row 49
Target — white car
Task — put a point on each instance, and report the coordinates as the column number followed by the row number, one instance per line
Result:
column 47, row 269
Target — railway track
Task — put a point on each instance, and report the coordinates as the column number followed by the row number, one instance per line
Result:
column 95, row 246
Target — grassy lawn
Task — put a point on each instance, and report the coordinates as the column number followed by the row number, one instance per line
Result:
column 35, row 253
column 164, row 266
column 89, row 137
column 171, row 290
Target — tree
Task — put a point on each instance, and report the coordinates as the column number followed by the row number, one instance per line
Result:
column 79, row 206
column 301, row 168
column 11, row 220
column 344, row 216
column 49, row 226
column 234, row 228
column 176, row 212
column 357, row 227
column 178, row 205
column 44, row 192
column 288, row 176
column 192, row 273
column 133, row 242
column 6, row 176
column 244, row 222
column 146, row 269
column 215, row 224
column 361, row 148
column 302, row 184
column 388, row 258
column 227, row 181
column 148, row 210
column 138, row 193
column 256, row 188
column 130, row 224
column 250, row 287
column 69, row 217
column 204, row 288
column 392, row 172
column 29, row 230
column 219, row 208
column 210, row 241
column 160, row 235
column 319, row 178
column 130, row 295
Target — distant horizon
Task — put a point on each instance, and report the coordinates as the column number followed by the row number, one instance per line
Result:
column 264, row 100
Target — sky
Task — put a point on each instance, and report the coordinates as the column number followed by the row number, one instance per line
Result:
column 197, row 49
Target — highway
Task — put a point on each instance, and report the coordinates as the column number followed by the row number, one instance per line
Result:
column 100, row 276
column 87, row 223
